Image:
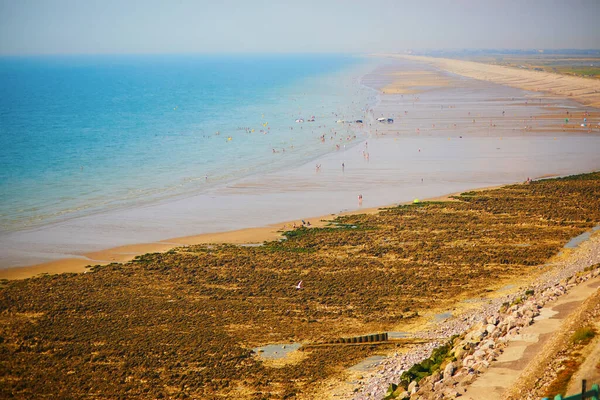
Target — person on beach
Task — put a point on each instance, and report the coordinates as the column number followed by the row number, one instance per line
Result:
column 360, row 199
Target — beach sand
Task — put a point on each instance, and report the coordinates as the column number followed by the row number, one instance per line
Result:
column 410, row 82
column 584, row 90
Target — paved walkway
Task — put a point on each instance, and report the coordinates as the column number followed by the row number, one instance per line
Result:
column 521, row 349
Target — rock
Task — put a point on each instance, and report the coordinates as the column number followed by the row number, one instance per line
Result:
column 436, row 376
column 460, row 352
column 448, row 371
column 468, row 361
column 437, row 396
column 412, row 387
column 493, row 320
column 475, row 336
column 481, row 366
column 451, row 393
column 403, row 395
column 468, row 379
column 490, row 328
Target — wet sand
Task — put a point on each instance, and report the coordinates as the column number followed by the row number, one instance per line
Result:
column 123, row 254
column 445, row 139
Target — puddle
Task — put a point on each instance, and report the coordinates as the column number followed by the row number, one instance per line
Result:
column 367, row 363
column 474, row 300
column 276, row 351
column 506, row 287
column 577, row 240
column 443, row 316
column 398, row 335
column 251, row 244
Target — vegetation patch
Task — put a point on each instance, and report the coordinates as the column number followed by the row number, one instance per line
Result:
column 438, row 357
column 583, row 335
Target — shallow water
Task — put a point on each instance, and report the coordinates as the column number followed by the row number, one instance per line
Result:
column 576, row 241
column 87, row 134
column 276, row 351
column 367, row 363
column 442, row 317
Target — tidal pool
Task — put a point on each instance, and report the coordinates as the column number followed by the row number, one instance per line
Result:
column 276, row 351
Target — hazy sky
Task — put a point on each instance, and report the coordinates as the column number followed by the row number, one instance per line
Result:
column 176, row 26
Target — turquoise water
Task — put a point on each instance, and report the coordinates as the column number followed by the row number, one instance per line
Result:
column 83, row 134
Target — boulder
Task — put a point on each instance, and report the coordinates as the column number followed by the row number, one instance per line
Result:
column 460, row 352
column 412, row 387
column 403, row 395
column 448, row 371
column 468, row 361
column 451, row 393
column 436, row 376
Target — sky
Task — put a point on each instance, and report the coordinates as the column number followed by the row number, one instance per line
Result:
column 233, row 26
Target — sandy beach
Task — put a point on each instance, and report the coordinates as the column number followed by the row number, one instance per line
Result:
column 584, row 90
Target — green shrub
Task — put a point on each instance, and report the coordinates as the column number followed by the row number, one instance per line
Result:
column 583, row 335
column 427, row 366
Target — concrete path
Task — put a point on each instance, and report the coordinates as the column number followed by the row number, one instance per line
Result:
column 521, row 349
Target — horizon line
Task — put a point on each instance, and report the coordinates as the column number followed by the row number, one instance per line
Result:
column 242, row 52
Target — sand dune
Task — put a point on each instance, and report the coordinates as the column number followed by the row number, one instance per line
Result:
column 583, row 90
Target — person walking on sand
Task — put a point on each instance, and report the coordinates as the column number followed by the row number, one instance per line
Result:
column 360, row 199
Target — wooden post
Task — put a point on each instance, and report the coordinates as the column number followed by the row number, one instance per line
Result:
column 583, row 387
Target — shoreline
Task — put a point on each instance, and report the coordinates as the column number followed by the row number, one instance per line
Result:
column 318, row 184
column 255, row 235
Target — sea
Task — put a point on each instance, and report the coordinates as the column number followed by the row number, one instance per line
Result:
column 87, row 134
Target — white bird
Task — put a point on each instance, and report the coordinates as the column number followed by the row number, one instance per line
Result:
column 299, row 285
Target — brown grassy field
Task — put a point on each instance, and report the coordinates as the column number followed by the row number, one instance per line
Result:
column 182, row 324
